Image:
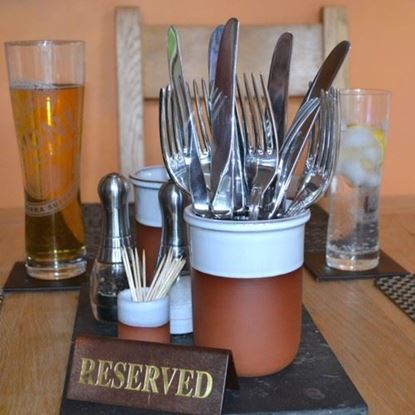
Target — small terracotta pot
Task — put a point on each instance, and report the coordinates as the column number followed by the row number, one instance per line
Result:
column 145, row 321
column 154, row 334
column 147, row 182
column 247, row 289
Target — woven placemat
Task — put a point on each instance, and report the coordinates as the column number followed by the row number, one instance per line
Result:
column 401, row 290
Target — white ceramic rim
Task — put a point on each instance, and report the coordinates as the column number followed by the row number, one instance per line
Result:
column 244, row 225
column 153, row 313
column 151, row 177
column 246, row 249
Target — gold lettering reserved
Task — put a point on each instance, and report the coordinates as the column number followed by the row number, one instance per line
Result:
column 87, row 367
column 183, row 389
column 166, row 380
column 119, row 374
column 102, row 376
column 200, row 376
column 124, row 375
column 152, row 373
column 133, row 370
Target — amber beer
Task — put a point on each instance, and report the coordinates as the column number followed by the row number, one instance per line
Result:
column 48, row 121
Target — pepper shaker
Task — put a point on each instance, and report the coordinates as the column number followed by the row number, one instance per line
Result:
column 108, row 275
column 174, row 238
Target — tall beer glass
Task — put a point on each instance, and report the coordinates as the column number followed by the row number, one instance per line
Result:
column 46, row 80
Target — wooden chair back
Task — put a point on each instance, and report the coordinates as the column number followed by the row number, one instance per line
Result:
column 142, row 64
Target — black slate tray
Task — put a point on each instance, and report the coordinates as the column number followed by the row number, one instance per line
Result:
column 314, row 384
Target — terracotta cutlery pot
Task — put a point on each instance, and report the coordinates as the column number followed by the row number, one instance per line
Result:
column 147, row 182
column 247, row 289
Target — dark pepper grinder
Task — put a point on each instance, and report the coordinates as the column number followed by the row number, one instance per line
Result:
column 108, row 275
column 174, row 238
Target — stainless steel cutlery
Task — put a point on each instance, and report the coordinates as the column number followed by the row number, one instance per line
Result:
column 225, row 142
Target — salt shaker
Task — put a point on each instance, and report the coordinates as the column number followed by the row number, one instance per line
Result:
column 174, row 238
column 108, row 275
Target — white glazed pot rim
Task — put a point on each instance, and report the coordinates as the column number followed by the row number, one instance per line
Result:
column 245, row 225
column 126, row 296
column 246, row 249
column 153, row 313
column 152, row 177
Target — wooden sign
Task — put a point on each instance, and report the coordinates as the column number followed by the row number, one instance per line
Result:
column 179, row 379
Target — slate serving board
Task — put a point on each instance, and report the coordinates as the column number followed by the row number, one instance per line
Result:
column 315, row 383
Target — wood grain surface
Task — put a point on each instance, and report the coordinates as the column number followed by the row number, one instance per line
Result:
column 372, row 338
column 335, row 29
column 129, row 84
column 256, row 43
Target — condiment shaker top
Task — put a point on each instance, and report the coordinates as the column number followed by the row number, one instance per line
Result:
column 108, row 276
column 174, row 238
column 113, row 190
column 174, row 234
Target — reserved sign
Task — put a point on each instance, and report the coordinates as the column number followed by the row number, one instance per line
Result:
column 145, row 375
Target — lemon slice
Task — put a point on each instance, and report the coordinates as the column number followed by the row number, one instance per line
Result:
column 377, row 133
column 379, row 136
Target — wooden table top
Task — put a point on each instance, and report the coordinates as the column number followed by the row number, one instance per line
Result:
column 371, row 337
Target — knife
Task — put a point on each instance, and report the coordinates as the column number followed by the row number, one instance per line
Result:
column 328, row 70
column 322, row 81
column 186, row 122
column 278, row 81
column 223, row 123
column 239, row 148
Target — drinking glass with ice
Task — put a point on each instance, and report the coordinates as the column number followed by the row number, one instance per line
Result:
column 353, row 234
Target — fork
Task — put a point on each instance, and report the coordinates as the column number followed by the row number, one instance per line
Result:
column 181, row 159
column 321, row 161
column 206, row 108
column 290, row 153
column 261, row 158
column 203, row 125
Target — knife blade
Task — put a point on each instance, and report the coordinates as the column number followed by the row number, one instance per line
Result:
column 278, row 82
column 186, row 122
column 223, row 123
column 214, row 43
column 328, row 70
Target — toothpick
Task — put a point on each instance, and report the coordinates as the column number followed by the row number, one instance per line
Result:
column 165, row 274
column 144, row 271
column 156, row 278
column 134, row 268
column 127, row 268
column 138, row 275
column 173, row 274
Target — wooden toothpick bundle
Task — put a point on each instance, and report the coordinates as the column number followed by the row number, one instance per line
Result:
column 164, row 277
